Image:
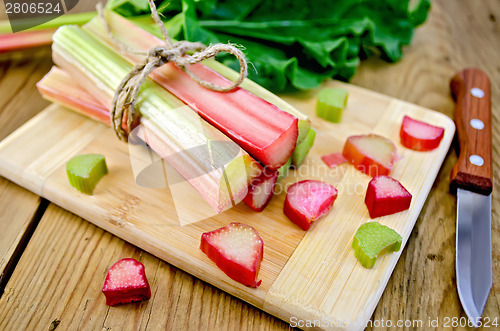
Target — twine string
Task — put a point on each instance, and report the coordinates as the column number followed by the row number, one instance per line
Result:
column 124, row 100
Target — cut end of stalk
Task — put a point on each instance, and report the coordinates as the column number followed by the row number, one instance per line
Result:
column 302, row 149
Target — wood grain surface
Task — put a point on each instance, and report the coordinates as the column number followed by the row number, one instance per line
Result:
column 458, row 34
column 308, row 275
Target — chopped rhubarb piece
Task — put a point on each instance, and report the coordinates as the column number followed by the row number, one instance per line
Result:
column 331, row 103
column 302, row 149
column 334, row 159
column 261, row 190
column 126, row 282
column 420, row 136
column 373, row 240
column 85, row 171
column 237, row 249
column 386, row 196
column 372, row 154
column 308, row 200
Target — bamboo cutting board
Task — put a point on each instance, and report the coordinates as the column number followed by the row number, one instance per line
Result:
column 307, row 277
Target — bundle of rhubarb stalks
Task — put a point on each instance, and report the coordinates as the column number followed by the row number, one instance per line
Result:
column 269, row 134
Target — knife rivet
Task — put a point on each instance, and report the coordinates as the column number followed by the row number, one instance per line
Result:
column 476, row 160
column 477, row 124
column 477, row 92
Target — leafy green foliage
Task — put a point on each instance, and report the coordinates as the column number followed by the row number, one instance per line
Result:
column 292, row 43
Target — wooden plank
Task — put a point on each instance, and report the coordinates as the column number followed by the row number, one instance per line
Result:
column 19, row 101
column 18, row 208
column 61, row 273
column 147, row 217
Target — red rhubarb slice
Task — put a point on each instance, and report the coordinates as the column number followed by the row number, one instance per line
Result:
column 308, row 200
column 334, row 159
column 420, row 136
column 261, row 190
column 126, row 282
column 372, row 154
column 386, row 196
column 237, row 249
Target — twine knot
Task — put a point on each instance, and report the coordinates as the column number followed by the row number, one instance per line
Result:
column 182, row 53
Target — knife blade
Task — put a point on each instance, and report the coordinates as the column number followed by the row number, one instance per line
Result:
column 471, row 177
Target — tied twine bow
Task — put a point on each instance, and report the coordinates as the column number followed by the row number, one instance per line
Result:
column 126, row 94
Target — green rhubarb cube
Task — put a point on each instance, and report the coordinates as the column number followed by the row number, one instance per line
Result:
column 331, row 103
column 85, row 171
column 373, row 240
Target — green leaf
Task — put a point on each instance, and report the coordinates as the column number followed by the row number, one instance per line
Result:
column 293, row 43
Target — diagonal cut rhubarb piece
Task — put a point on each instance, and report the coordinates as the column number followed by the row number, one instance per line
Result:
column 308, row 200
column 57, row 86
column 333, row 160
column 237, row 249
column 372, row 154
column 262, row 129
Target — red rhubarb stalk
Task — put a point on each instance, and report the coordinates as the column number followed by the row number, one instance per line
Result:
column 57, row 86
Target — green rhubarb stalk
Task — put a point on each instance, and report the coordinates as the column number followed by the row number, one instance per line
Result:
column 302, row 149
column 85, row 171
column 38, row 35
column 167, row 126
column 283, row 171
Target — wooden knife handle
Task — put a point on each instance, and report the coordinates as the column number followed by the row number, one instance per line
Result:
column 473, row 171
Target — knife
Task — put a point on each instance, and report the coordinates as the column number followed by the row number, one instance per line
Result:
column 471, row 177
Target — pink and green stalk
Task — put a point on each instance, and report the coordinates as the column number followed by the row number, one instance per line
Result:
column 258, row 126
column 165, row 124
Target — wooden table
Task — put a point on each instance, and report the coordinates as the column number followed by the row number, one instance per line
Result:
column 52, row 263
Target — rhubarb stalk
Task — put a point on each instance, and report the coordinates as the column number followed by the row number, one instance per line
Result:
column 166, row 126
column 258, row 126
